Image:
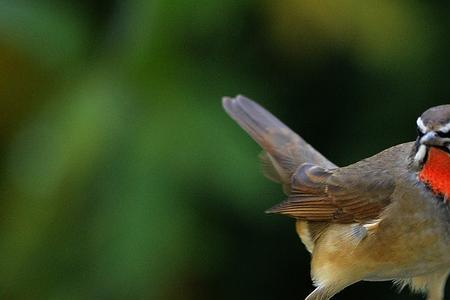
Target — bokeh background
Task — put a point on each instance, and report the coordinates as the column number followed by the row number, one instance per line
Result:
column 123, row 178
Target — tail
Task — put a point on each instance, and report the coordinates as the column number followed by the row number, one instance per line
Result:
column 284, row 150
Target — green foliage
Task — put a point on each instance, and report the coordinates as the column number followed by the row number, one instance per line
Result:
column 122, row 177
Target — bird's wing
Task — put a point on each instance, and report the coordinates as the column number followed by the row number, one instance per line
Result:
column 284, row 151
column 343, row 195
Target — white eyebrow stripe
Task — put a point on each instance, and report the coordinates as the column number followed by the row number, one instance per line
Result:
column 445, row 128
column 422, row 126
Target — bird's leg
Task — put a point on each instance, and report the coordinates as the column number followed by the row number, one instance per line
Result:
column 320, row 293
column 325, row 292
column 436, row 285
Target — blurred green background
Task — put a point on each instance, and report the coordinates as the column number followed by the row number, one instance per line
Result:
column 123, row 178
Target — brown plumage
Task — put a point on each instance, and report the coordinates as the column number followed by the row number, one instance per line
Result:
column 376, row 219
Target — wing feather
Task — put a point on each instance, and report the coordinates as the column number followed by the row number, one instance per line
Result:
column 342, row 195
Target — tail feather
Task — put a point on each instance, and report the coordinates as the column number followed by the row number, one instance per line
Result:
column 284, row 150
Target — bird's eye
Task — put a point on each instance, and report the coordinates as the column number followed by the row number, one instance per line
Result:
column 419, row 132
column 443, row 134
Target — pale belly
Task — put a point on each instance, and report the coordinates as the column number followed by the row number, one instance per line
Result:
column 400, row 249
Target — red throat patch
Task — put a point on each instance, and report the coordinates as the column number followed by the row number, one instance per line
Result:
column 436, row 171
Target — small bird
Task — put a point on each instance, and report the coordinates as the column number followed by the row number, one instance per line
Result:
column 385, row 217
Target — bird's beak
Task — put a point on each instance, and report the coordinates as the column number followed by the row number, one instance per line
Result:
column 430, row 139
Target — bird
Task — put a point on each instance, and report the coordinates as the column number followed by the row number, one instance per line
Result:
column 383, row 218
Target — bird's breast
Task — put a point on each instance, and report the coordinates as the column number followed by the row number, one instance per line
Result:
column 436, row 172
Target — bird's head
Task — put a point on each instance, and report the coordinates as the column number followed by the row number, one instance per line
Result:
column 433, row 128
column 432, row 149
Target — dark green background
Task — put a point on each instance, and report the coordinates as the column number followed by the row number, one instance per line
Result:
column 123, row 178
